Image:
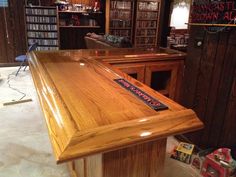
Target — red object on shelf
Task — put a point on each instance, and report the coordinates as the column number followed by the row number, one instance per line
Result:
column 219, row 164
column 96, row 5
column 75, row 20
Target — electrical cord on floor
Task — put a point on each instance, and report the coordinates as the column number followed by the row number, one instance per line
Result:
column 9, row 78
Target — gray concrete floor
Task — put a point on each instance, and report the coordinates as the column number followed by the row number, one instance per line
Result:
column 25, row 149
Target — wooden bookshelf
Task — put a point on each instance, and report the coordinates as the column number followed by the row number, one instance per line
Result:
column 79, row 26
column 147, row 23
column 42, row 27
column 74, row 25
column 120, row 16
column 79, row 19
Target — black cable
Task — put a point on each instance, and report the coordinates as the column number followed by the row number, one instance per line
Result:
column 15, row 89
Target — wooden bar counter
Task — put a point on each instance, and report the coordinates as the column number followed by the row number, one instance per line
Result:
column 98, row 127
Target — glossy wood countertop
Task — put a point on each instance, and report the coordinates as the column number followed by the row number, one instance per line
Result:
column 87, row 112
column 116, row 56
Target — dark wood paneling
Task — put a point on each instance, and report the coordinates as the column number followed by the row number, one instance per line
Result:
column 164, row 28
column 204, row 73
column 191, row 73
column 12, row 31
column 212, row 97
column 204, row 76
column 208, row 86
column 3, row 42
column 191, row 67
column 223, row 95
column 229, row 133
column 19, row 27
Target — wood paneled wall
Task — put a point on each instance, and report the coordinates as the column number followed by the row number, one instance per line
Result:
column 12, row 31
column 164, row 28
column 12, row 28
column 209, row 86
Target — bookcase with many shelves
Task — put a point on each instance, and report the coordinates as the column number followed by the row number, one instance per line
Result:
column 76, row 20
column 147, row 23
column 42, row 27
column 121, row 15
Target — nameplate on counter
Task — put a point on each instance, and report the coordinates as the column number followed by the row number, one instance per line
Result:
column 147, row 99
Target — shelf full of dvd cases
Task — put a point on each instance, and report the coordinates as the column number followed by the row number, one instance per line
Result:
column 147, row 23
column 121, row 18
column 42, row 27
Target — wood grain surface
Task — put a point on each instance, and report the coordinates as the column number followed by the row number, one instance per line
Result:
column 141, row 160
column 207, row 86
column 126, row 55
column 87, row 112
column 12, row 31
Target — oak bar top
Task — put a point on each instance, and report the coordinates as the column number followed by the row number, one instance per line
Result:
column 129, row 55
column 87, row 112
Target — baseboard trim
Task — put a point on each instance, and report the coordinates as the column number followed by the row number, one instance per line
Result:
column 9, row 64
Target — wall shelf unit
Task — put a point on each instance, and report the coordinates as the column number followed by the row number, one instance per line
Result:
column 79, row 19
column 42, row 27
column 138, row 20
column 147, row 23
column 120, row 16
column 74, row 25
column 80, row 26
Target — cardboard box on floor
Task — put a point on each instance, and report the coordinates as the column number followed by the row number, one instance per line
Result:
column 183, row 152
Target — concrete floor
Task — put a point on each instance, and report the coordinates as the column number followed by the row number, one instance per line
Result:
column 25, row 149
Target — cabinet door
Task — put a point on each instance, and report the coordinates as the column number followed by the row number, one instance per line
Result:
column 165, row 77
column 134, row 70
